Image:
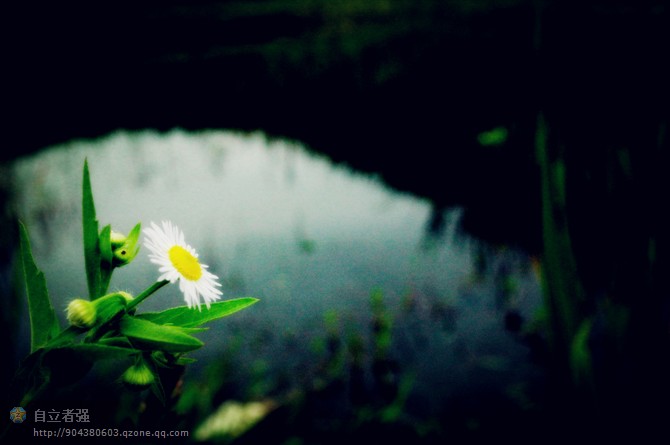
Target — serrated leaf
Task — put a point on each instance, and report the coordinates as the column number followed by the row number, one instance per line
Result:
column 43, row 322
column 167, row 338
column 90, row 231
column 185, row 317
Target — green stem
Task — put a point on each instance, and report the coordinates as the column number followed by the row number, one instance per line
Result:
column 144, row 295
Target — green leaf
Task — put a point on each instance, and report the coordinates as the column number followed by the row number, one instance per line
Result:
column 105, row 249
column 115, row 341
column 580, row 353
column 96, row 351
column 185, row 361
column 132, row 241
column 108, row 306
column 29, row 380
column 66, row 336
column 134, row 235
column 156, row 336
column 185, row 317
column 164, row 359
column 69, row 364
column 157, row 389
column 106, row 244
column 59, row 366
column 496, row 136
column 90, row 229
column 561, row 284
column 43, row 322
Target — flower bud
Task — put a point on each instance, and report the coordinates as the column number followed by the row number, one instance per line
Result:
column 117, row 239
column 110, row 305
column 121, row 255
column 139, row 376
column 122, row 249
column 81, row 313
column 126, row 296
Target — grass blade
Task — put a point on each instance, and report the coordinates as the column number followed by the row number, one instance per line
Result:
column 43, row 322
column 90, row 228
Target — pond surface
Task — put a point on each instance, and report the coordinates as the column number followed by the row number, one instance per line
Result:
column 312, row 240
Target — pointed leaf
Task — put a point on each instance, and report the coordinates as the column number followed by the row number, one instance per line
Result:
column 157, row 388
column 105, row 249
column 156, row 336
column 185, row 317
column 132, row 241
column 134, row 235
column 90, row 229
column 43, row 322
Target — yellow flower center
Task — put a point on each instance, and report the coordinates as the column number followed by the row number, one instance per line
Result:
column 185, row 263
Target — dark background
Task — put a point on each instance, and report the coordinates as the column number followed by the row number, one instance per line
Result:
column 398, row 88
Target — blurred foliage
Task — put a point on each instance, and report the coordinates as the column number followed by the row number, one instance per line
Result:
column 493, row 137
column 603, row 233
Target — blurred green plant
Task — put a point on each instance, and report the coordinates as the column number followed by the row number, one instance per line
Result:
column 562, row 287
column 106, row 326
column 606, row 314
column 493, row 138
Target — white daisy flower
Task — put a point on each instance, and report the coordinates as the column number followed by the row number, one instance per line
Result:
column 179, row 261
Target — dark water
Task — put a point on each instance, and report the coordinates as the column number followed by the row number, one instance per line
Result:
column 311, row 239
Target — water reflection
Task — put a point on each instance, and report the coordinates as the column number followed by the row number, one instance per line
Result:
column 307, row 237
